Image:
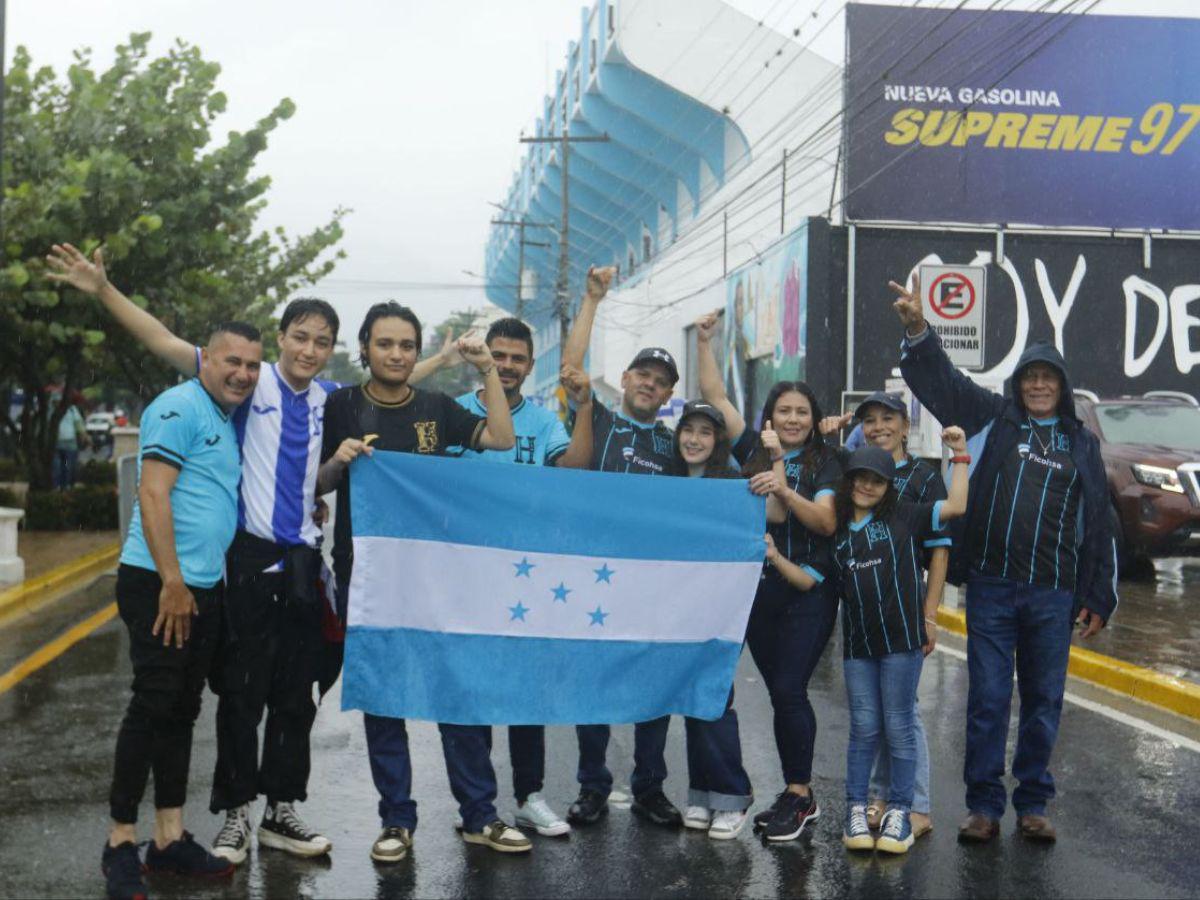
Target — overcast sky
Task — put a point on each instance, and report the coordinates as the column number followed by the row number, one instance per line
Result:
column 407, row 112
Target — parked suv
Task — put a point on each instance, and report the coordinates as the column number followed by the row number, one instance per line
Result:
column 1151, row 450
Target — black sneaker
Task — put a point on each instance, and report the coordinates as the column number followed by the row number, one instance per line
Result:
column 655, row 807
column 792, row 815
column 283, row 829
column 122, row 868
column 762, row 818
column 186, row 857
column 588, row 809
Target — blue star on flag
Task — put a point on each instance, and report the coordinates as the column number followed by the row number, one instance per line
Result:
column 604, row 573
column 560, row 593
column 518, row 612
column 523, row 567
column 598, row 616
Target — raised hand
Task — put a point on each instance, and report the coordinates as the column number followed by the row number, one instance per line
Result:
column 449, row 351
column 955, row 438
column 576, row 383
column 475, row 351
column 706, row 326
column 908, row 306
column 770, row 441
column 598, row 280
column 834, row 424
column 69, row 266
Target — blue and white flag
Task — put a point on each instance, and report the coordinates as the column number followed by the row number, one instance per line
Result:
column 486, row 593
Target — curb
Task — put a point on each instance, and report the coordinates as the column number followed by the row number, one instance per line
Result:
column 1146, row 685
column 83, row 569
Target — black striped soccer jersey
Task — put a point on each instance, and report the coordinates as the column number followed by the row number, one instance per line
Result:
column 623, row 445
column 918, row 482
column 1032, row 523
column 882, row 585
column 791, row 538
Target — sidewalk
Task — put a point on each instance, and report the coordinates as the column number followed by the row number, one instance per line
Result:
column 46, row 550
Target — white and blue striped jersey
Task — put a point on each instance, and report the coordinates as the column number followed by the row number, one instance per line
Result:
column 280, row 434
column 541, row 437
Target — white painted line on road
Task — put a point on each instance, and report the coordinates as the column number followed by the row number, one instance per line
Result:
column 1177, row 740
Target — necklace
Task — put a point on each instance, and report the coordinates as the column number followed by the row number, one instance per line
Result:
column 1043, row 444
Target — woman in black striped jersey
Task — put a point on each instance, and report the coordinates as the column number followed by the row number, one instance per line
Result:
column 719, row 792
column 787, row 632
column 884, row 420
column 887, row 620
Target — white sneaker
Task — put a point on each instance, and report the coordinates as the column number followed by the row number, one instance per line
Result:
column 233, row 840
column 283, row 829
column 727, row 824
column 698, row 817
column 536, row 813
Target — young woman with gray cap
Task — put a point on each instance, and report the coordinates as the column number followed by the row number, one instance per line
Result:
column 883, row 418
column 886, row 618
column 787, row 633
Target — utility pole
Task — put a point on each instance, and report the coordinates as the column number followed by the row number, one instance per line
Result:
column 521, row 245
column 562, row 303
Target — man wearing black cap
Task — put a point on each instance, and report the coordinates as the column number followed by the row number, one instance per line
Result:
column 1036, row 552
column 631, row 440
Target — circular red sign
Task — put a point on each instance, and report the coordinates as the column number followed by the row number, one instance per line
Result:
column 966, row 290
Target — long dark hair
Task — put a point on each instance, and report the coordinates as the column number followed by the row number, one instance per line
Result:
column 815, row 449
column 717, row 464
column 843, row 500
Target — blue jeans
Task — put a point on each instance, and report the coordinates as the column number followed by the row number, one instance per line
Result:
column 787, row 633
column 527, row 752
column 467, row 749
column 64, row 467
column 1034, row 623
column 716, row 778
column 881, row 777
column 882, row 693
column 649, row 757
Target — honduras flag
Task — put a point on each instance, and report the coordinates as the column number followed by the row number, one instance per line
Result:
column 487, row 593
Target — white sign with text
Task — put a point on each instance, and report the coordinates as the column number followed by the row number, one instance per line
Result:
column 954, row 299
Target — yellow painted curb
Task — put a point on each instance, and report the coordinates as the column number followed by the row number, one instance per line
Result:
column 1142, row 684
column 69, row 574
column 57, row 647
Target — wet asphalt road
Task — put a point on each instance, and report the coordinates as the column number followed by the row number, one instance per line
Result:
column 1126, row 812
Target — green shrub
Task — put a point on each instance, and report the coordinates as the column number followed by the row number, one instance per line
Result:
column 9, row 499
column 10, row 471
column 97, row 472
column 82, row 508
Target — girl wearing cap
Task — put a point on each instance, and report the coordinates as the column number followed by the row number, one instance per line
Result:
column 719, row 792
column 884, row 421
column 787, row 632
column 886, row 619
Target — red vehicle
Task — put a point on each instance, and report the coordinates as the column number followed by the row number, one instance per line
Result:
column 1151, row 450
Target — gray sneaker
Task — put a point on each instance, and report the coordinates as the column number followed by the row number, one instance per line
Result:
column 499, row 836
column 392, row 845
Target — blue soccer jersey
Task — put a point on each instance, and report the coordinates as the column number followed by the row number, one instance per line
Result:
column 541, row 436
column 185, row 427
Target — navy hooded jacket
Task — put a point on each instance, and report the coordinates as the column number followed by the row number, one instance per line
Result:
column 993, row 426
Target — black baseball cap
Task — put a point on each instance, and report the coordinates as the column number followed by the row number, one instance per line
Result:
column 658, row 355
column 700, row 408
column 884, row 399
column 872, row 459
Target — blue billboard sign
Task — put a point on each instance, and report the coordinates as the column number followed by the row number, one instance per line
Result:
column 1015, row 118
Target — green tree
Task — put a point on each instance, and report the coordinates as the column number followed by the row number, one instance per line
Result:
column 125, row 158
column 342, row 368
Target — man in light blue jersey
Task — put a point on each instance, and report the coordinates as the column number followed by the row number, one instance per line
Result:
column 170, row 596
column 541, row 439
column 271, row 643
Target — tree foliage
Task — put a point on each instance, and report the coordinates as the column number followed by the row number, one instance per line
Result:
column 458, row 378
column 125, row 158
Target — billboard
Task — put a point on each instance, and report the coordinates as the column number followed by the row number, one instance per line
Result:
column 766, row 317
column 956, row 115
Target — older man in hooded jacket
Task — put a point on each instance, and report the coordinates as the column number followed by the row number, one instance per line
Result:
column 1035, row 550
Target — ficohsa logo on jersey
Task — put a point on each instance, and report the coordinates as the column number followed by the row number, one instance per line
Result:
column 628, row 454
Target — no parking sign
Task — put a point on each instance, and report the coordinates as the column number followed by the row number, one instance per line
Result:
column 954, row 303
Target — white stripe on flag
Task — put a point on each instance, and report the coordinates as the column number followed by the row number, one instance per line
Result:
column 464, row 589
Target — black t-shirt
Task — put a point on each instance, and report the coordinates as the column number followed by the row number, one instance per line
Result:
column 1032, row 512
column 427, row 422
column 623, row 445
column 883, row 592
column 918, row 482
column 791, row 538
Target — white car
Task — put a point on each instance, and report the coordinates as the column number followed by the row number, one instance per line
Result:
column 99, row 426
